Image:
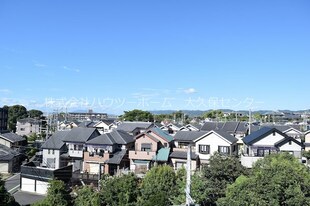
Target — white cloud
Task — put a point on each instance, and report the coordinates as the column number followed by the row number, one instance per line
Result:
column 5, row 90
column 39, row 65
column 71, row 69
column 190, row 91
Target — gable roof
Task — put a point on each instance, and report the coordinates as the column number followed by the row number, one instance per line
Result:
column 80, row 134
column 162, row 134
column 260, row 134
column 188, row 136
column 148, row 135
column 231, row 139
column 131, row 126
column 7, row 154
column 208, row 126
column 162, row 155
column 286, row 140
column 12, row 137
column 29, row 120
column 230, row 127
column 115, row 137
column 55, row 141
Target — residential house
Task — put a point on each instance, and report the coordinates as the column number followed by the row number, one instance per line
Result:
column 190, row 127
column 135, row 128
column 52, row 151
column 28, row 126
column 171, row 128
column 12, row 140
column 75, row 141
column 105, row 126
column 9, row 160
column 3, row 119
column 266, row 141
column 215, row 141
column 307, row 141
column 182, row 140
column 108, row 153
column 152, row 146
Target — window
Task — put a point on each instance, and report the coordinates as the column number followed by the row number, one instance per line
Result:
column 262, row 152
column 274, row 133
column 290, row 142
column 224, row 150
column 204, row 149
column 53, row 151
column 146, row 147
column 49, row 151
column 22, row 129
column 166, row 144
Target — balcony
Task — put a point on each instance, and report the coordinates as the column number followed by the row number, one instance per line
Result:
column 93, row 156
column 76, row 153
column 141, row 155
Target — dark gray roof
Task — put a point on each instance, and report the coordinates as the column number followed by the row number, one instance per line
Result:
column 227, row 136
column 188, row 136
column 131, row 126
column 104, row 139
column 115, row 137
column 85, row 124
column 55, row 141
column 80, row 134
column 117, row 157
column 260, row 134
column 12, row 137
column 7, row 154
column 182, row 155
column 108, row 121
column 287, row 139
column 208, row 126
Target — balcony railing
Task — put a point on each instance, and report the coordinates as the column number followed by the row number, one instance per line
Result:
column 141, row 155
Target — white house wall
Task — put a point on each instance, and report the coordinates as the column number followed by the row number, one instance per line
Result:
column 56, row 156
column 269, row 140
column 5, row 142
column 292, row 148
column 41, row 187
column 4, row 167
column 214, row 141
column 27, row 184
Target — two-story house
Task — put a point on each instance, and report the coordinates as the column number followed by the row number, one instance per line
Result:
column 152, row 146
column 182, row 140
column 75, row 141
column 266, row 141
column 28, row 126
column 52, row 151
column 215, row 141
column 108, row 153
column 105, row 126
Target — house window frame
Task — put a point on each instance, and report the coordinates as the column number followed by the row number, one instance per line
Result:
column 224, row 150
column 204, row 149
column 146, row 149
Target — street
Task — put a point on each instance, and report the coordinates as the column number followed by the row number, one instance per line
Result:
column 12, row 184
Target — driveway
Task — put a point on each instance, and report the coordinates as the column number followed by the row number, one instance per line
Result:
column 12, row 184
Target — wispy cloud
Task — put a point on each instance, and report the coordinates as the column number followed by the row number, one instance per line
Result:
column 190, row 91
column 5, row 91
column 39, row 65
column 71, row 69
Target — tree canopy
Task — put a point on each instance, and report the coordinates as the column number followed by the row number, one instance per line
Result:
column 120, row 190
column 158, row 187
column 6, row 199
column 35, row 113
column 278, row 179
column 138, row 115
column 16, row 112
column 87, row 196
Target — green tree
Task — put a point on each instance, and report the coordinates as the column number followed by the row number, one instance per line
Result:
column 57, row 194
column 6, row 199
column 87, row 196
column 16, row 112
column 210, row 184
column 214, row 114
column 179, row 197
column 35, row 113
column 278, row 179
column 120, row 190
column 138, row 115
column 158, row 186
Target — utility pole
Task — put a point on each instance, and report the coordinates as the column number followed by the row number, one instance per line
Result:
column 250, row 121
column 189, row 199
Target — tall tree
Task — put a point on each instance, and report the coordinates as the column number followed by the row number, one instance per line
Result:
column 35, row 113
column 158, row 186
column 279, row 179
column 87, row 196
column 16, row 112
column 179, row 197
column 57, row 194
column 6, row 199
column 209, row 185
column 138, row 115
column 120, row 190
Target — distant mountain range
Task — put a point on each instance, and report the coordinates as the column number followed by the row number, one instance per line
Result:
column 196, row 113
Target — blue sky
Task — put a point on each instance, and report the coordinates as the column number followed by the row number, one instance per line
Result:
column 165, row 54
